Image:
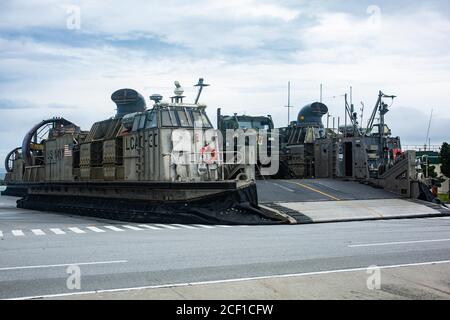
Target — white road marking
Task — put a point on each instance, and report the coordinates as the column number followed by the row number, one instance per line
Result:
column 231, row 280
column 204, row 226
column 38, row 232
column 76, row 230
column 132, row 227
column 174, row 226
column 186, row 226
column 394, row 243
column 62, row 265
column 113, row 228
column 95, row 229
column 57, row 231
column 283, row 187
column 166, row 226
column 149, row 227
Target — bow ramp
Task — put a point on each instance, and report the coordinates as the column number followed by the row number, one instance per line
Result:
column 329, row 200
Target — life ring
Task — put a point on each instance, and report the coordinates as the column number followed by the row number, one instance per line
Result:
column 209, row 154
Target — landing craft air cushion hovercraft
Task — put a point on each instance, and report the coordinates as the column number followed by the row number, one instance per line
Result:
column 157, row 165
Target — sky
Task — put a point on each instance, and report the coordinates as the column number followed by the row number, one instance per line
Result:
column 66, row 58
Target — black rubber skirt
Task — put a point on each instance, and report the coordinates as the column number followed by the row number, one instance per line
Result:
column 232, row 207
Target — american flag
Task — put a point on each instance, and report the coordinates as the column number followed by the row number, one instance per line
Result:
column 67, row 151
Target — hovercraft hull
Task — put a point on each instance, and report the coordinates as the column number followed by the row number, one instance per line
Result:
column 221, row 202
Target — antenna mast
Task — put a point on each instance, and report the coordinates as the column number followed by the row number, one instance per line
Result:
column 427, row 141
column 321, row 91
column 200, row 86
column 362, row 112
column 382, row 109
column 289, row 103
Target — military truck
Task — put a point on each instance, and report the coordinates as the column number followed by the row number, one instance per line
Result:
column 258, row 133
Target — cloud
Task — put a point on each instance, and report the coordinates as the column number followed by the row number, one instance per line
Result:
column 393, row 34
column 418, row 121
column 247, row 50
column 7, row 104
column 197, row 25
column 250, row 8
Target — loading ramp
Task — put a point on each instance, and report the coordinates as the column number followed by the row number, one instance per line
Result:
column 331, row 200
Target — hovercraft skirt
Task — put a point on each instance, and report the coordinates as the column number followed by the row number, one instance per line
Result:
column 206, row 203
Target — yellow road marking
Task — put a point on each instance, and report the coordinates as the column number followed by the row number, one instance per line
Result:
column 375, row 211
column 315, row 190
column 368, row 209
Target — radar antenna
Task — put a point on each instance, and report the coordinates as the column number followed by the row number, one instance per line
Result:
column 178, row 97
column 200, row 84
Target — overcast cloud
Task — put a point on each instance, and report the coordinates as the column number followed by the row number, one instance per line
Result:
column 247, row 50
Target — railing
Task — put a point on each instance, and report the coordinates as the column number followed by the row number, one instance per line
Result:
column 434, row 148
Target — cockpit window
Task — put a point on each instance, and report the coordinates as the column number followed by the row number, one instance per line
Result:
column 200, row 119
column 184, row 122
column 184, row 117
column 139, row 121
column 151, row 120
column 206, row 122
column 197, row 117
column 168, row 118
column 135, row 123
column 142, row 120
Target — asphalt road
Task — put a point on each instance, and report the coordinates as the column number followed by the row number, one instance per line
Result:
column 36, row 249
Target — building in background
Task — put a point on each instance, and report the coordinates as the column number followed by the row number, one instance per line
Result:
column 431, row 159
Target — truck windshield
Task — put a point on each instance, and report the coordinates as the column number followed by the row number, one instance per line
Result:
column 245, row 124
